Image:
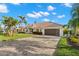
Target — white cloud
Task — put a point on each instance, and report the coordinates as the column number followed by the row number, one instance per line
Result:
column 61, row 16
column 44, row 13
column 51, row 8
column 31, row 15
column 46, row 20
column 34, row 15
column 41, row 12
column 68, row 4
column 37, row 14
column 52, row 21
column 3, row 8
column 53, row 13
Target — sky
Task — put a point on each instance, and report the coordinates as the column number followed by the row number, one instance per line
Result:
column 38, row 12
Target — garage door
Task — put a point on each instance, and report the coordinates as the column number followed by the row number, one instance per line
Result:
column 54, row 32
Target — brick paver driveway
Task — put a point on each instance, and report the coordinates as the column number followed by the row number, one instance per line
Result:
column 33, row 46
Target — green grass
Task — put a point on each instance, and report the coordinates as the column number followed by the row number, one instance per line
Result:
column 16, row 36
column 65, row 50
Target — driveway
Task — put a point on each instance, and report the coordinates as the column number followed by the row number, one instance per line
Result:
column 33, row 46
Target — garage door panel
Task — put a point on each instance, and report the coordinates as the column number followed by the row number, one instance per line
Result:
column 54, row 32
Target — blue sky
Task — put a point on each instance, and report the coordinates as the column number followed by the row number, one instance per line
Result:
column 39, row 12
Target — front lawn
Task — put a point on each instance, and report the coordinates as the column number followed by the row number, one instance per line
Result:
column 16, row 36
column 65, row 50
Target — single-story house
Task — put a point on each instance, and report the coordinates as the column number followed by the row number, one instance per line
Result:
column 21, row 29
column 24, row 29
column 48, row 28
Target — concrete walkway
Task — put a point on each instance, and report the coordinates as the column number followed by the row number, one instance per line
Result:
column 34, row 46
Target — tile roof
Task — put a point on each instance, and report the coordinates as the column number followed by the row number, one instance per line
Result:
column 45, row 24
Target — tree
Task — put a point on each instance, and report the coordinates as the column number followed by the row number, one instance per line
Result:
column 72, row 25
column 9, row 23
column 74, row 22
column 23, row 20
column 75, row 12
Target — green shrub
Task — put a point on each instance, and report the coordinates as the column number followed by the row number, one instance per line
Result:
column 74, row 39
column 65, row 31
column 66, row 50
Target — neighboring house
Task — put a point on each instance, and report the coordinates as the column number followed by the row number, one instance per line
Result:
column 48, row 28
column 24, row 29
column 21, row 29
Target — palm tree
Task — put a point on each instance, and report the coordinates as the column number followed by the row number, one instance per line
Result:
column 74, row 22
column 9, row 23
column 23, row 20
column 72, row 25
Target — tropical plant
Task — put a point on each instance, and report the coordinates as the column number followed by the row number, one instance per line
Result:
column 75, row 11
column 74, row 22
column 65, row 31
column 9, row 23
column 74, row 39
column 23, row 20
